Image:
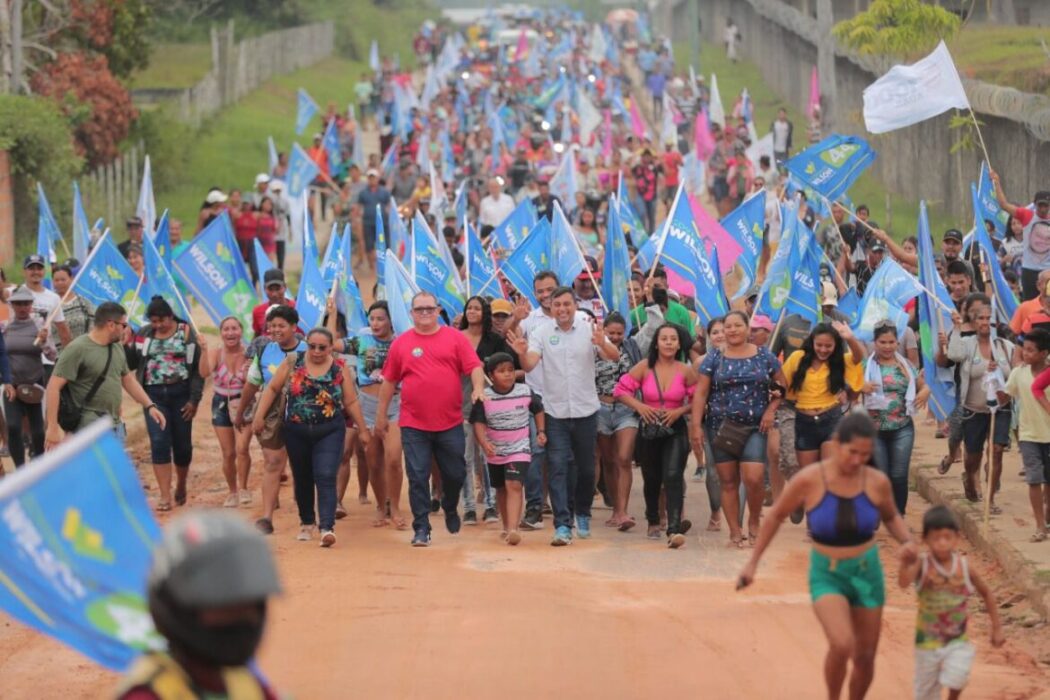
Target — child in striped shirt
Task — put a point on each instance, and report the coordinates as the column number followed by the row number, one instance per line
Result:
column 501, row 425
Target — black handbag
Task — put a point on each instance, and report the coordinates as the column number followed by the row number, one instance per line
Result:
column 656, row 431
column 69, row 413
column 732, row 437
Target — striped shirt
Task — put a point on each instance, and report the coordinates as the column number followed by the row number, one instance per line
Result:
column 506, row 420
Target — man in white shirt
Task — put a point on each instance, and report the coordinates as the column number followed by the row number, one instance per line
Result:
column 44, row 302
column 566, row 344
column 496, row 206
column 782, row 132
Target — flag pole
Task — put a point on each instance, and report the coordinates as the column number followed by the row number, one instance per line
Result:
column 776, row 328
column 980, row 136
column 466, row 248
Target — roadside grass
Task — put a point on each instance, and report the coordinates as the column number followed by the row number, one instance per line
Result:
column 174, row 66
column 1004, row 55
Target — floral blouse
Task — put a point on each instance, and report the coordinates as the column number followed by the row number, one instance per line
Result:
column 895, row 389
column 314, row 400
column 739, row 386
column 166, row 362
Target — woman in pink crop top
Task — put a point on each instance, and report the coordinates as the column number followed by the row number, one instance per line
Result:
column 228, row 377
column 666, row 385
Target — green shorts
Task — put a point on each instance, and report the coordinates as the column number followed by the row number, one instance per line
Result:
column 859, row 580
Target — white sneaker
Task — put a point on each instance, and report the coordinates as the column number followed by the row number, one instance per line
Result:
column 327, row 538
column 245, row 497
column 305, row 533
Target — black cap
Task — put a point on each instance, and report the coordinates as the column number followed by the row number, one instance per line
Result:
column 877, row 246
column 953, row 234
column 273, row 276
column 34, row 260
column 134, row 221
column 1041, row 196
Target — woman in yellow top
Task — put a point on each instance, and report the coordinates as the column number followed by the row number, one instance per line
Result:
column 817, row 375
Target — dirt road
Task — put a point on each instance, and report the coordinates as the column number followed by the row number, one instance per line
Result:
column 618, row 616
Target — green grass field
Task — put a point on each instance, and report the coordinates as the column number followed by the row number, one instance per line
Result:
column 174, row 66
column 1004, row 55
column 902, row 213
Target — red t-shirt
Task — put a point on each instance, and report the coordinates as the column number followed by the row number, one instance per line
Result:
column 429, row 368
column 246, row 226
column 259, row 315
column 672, row 162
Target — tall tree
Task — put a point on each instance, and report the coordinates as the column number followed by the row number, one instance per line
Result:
column 897, row 28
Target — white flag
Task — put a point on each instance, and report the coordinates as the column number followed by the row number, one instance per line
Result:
column 590, row 118
column 716, row 113
column 146, row 209
column 907, row 95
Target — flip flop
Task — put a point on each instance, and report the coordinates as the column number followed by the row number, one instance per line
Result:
column 626, row 524
column 1039, row 536
column 714, row 525
column 944, row 466
column 180, row 496
column 400, row 523
column 163, row 506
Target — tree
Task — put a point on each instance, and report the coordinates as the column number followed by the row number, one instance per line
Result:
column 897, row 28
column 116, row 29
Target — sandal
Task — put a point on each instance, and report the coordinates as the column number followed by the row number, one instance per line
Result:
column 1039, row 536
column 737, row 542
column 994, row 510
column 340, row 512
column 945, row 465
column 180, row 495
column 163, row 506
column 231, row 501
column 654, row 532
column 626, row 524
column 714, row 524
column 400, row 523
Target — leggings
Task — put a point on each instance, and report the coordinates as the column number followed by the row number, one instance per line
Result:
column 663, row 463
column 15, row 411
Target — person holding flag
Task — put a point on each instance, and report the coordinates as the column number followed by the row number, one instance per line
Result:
column 1036, row 234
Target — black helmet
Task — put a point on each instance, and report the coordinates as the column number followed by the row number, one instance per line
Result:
column 209, row 559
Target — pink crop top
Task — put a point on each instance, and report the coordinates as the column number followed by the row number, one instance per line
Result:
column 675, row 395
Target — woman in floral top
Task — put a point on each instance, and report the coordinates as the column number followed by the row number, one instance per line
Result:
column 736, row 384
column 320, row 396
column 170, row 362
column 892, row 391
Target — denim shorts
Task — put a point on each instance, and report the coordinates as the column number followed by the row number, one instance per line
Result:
column 221, row 415
column 370, row 405
column 754, row 448
column 976, row 427
column 614, row 417
column 1035, row 456
column 813, row 431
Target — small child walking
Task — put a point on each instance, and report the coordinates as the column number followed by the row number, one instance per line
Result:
column 942, row 577
column 501, row 425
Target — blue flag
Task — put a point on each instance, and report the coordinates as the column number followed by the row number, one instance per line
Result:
column 933, row 320
column 833, row 165
column 481, row 270
column 305, row 110
column 273, row 160
column 888, row 290
column 512, row 231
column 398, row 233
column 348, row 302
column 746, row 224
column 301, row 171
column 76, row 541
column 47, row 232
column 381, row 248
column 791, row 285
column 262, row 262
column 309, row 234
column 1004, row 299
column 399, row 292
column 162, row 239
column 616, row 269
column 430, row 271
column 107, row 276
column 849, row 306
column 373, row 56
column 709, row 293
column 81, row 228
column 530, row 257
column 990, row 209
column 212, row 269
column 680, row 246
column 159, row 281
column 563, row 184
column 330, row 141
column 331, row 264
column 312, row 297
column 629, row 217
column 566, row 257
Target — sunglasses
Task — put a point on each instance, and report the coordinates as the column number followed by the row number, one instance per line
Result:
column 317, row 347
column 425, row 310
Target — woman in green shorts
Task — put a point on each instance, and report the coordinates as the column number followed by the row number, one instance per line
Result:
column 845, row 500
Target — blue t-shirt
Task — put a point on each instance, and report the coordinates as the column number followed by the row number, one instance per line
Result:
column 368, row 201
column 739, row 387
column 266, row 363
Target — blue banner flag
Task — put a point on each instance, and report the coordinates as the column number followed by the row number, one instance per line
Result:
column 81, row 228
column 792, row 283
column 76, row 541
column 47, row 231
column 481, row 270
column 512, row 231
column 398, row 235
column 301, row 171
column 213, row 270
column 443, row 249
column 331, row 264
column 107, row 276
column 566, row 257
column 1003, row 297
column 309, row 234
column 530, row 257
column 430, row 271
column 746, row 224
column 312, row 297
column 889, row 289
column 459, row 202
column 849, row 306
column 709, row 292
column 399, row 292
column 932, row 321
column 563, row 184
column 330, row 141
column 373, row 56
column 990, row 209
column 146, row 209
column 262, row 264
column 679, row 243
column 349, row 303
column 273, row 160
column 305, row 110
column 162, row 239
column 159, row 281
column 616, row 269
column 629, row 218
column 833, row 165
column 381, row 248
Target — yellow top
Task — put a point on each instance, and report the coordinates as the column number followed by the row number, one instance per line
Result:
column 814, row 394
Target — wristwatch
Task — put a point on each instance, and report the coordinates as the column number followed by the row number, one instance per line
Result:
column 152, row 405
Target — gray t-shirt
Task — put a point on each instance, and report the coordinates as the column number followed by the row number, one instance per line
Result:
column 26, row 365
column 80, row 364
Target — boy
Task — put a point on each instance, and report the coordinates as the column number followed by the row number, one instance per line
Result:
column 501, row 425
column 1028, row 386
column 943, row 654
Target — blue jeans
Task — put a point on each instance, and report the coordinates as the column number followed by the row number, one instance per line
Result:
column 475, row 461
column 174, row 442
column 570, row 460
column 315, row 452
column 892, row 457
column 447, row 448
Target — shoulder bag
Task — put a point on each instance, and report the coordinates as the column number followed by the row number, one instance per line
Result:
column 656, row 431
column 69, row 413
column 731, row 436
column 272, row 435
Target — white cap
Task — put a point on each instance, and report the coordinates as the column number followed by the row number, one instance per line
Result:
column 262, row 179
column 215, row 197
column 830, row 295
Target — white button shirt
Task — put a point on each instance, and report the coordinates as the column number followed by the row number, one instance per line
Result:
column 568, row 368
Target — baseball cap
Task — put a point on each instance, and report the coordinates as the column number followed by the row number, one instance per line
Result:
column 34, row 260
column 262, row 179
column 829, row 296
column 762, row 322
column 21, row 294
column 276, row 185
column 1041, row 197
column 215, row 197
column 592, row 265
column 953, row 234
column 502, row 306
column 273, row 276
column 372, row 172
column 133, row 221
column 877, row 246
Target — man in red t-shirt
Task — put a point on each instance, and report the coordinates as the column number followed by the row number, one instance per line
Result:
column 429, row 361
column 276, row 290
column 672, row 162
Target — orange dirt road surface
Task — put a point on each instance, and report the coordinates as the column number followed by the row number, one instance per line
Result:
column 618, row 616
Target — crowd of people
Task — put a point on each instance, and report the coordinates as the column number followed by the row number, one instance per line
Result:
column 531, row 414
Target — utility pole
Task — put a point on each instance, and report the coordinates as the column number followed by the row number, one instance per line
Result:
column 693, row 18
column 15, row 86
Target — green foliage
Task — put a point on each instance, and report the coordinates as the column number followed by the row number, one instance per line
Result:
column 897, row 28
column 166, row 140
column 393, row 24
column 129, row 47
column 966, row 136
column 40, row 145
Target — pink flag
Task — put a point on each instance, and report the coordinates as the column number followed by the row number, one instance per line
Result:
column 522, row 49
column 679, row 284
column 607, row 136
column 637, row 125
column 814, row 93
column 712, row 234
column 705, row 142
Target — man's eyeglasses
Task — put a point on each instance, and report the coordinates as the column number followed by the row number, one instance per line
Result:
column 122, row 324
column 424, row 310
